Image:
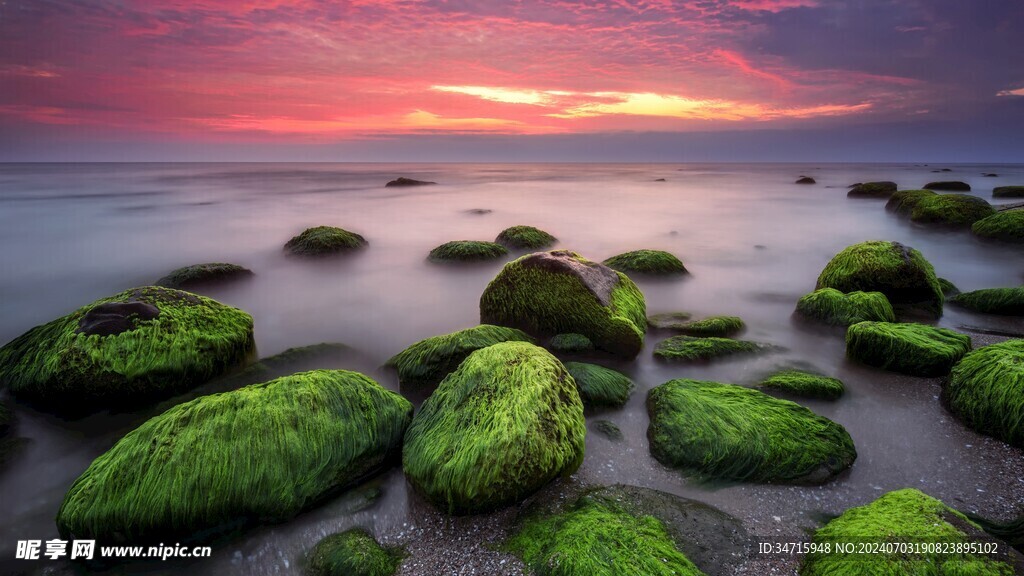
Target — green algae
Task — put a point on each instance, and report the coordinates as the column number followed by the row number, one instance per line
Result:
column 805, row 384
column 986, row 391
column 668, row 320
column 1008, row 192
column 1007, row 225
column 258, row 454
column 904, row 201
column 653, row 262
column 951, row 210
column 872, row 190
column 352, row 553
column 694, row 349
column 600, row 386
column 834, row 308
column 324, row 241
column 203, row 275
column 722, row 326
column 914, row 349
column 948, row 288
column 467, row 251
column 570, row 343
column 736, row 433
column 1005, row 301
column 524, row 238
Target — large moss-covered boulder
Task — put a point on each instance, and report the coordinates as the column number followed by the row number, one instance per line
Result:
column 834, row 308
column 1007, row 225
column 137, row 346
column 504, row 424
column 1005, row 301
column 427, row 362
column 898, row 271
column 736, row 433
column 352, row 553
column 882, row 189
column 804, row 384
column 1008, row 192
column 203, row 275
column 696, row 349
column 653, row 262
column 986, row 391
column 560, row 292
column 951, row 210
column 258, row 454
column 467, row 251
column 904, row 201
column 324, row 241
column 913, row 349
column 904, row 518
column 524, row 238
column 600, row 386
column 950, row 185
column 722, row 326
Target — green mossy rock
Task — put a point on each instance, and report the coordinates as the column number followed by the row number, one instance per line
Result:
column 203, row 275
column 736, row 433
column 872, row 190
column 427, row 362
column 1005, row 301
column 352, row 553
column 570, row 343
column 904, row 516
column 898, row 271
column 722, row 326
column 804, row 384
column 467, row 251
column 609, row 430
column 1008, row 192
column 512, row 402
column 559, row 292
column 834, row 308
column 258, row 454
column 325, row 355
column 986, row 391
column 324, row 241
column 950, row 185
column 653, row 262
column 948, row 288
column 669, row 320
column 951, row 210
column 1007, row 225
column 904, row 201
column 695, row 349
column 600, row 386
column 913, row 349
column 137, row 346
column 525, row 238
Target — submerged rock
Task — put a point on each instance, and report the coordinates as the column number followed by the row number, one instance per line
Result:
column 549, row 293
column 525, row 238
column 653, row 262
column 137, row 346
column 834, row 308
column 609, row 430
column 950, row 210
column 203, row 275
column 905, row 516
column 986, row 391
column 951, row 185
column 1005, row 301
column 600, row 386
column 669, row 320
column 324, row 241
column 881, row 189
column 259, row 454
column 805, row 180
column 570, row 343
column 467, row 251
column 1007, row 225
column 736, row 433
column 403, row 181
column 904, row 201
column 913, row 349
column 695, row 349
column 353, row 552
column 427, row 362
column 804, row 384
column 898, row 271
column 510, row 402
column 713, row 326
column 1008, row 192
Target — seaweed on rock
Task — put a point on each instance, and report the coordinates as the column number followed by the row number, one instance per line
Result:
column 600, row 386
column 203, row 275
column 694, row 349
column 882, row 189
column 467, row 251
column 804, row 384
column 1006, row 225
column 353, row 552
column 904, row 201
column 653, row 262
column 1005, row 301
column 986, row 391
column 914, row 349
column 524, row 238
column 832, row 307
column 951, row 210
column 570, row 343
column 324, row 241
column 722, row 326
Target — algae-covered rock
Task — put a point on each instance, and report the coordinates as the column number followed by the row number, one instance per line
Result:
column 203, row 275
column 653, row 262
column 600, row 386
column 258, row 454
column 560, row 292
column 948, row 288
column 1005, row 301
column 913, row 349
column 570, row 343
column 524, row 238
column 713, row 326
column 609, row 430
column 951, row 210
column 1007, row 225
column 834, row 308
column 904, row 201
column 352, row 553
column 881, row 189
column 736, row 433
column 427, row 362
column 695, row 349
column 804, row 384
column 1008, row 192
column 986, row 391
column 512, row 402
column 905, row 517
column 467, row 251
column 950, row 185
column 139, row 345
column 403, row 181
column 898, row 271
column 668, row 320
column 324, row 241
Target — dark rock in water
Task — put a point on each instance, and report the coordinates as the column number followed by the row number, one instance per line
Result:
column 479, row 211
column 760, row 247
column 609, row 430
column 116, row 317
column 855, row 184
column 668, row 320
column 881, row 189
column 403, row 181
column 1008, row 192
column 203, row 274
column 949, row 185
column 989, row 175
column 660, row 180
column 946, row 170
column 467, row 251
column 324, row 241
column 806, row 180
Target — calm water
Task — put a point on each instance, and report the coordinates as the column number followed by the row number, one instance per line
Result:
column 753, row 240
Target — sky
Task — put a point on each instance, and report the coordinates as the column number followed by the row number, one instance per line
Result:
column 513, row 80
